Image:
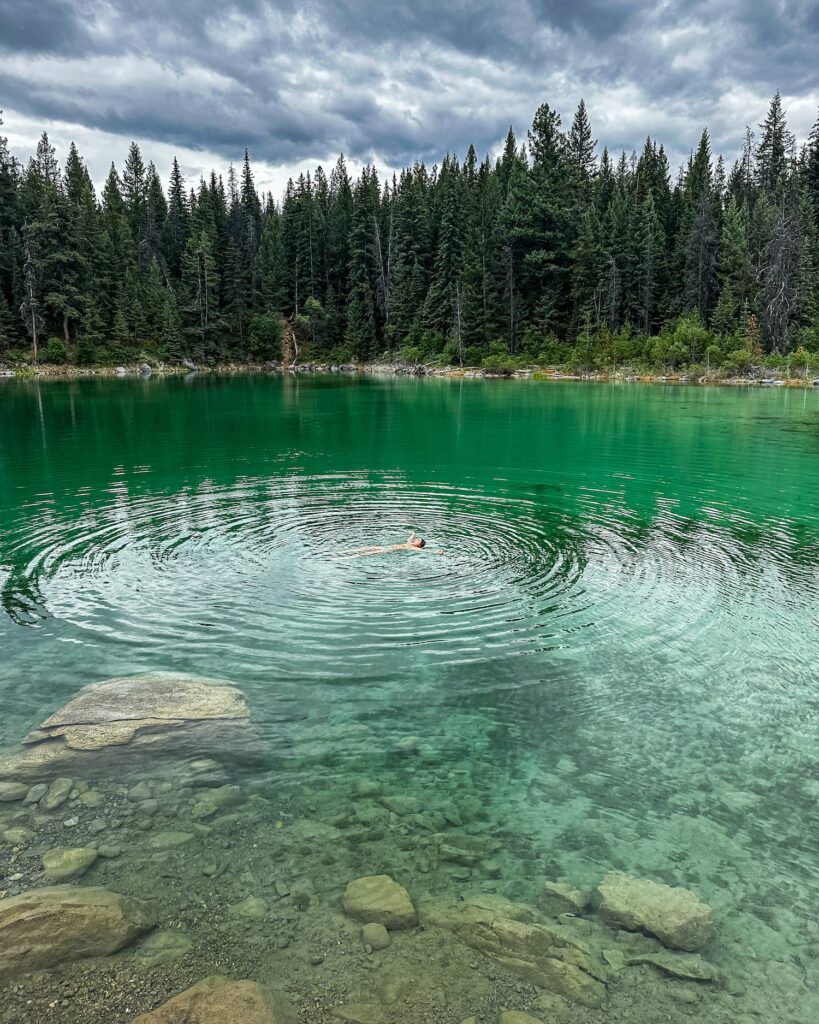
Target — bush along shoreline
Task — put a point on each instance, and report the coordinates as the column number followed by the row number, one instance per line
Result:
column 683, row 351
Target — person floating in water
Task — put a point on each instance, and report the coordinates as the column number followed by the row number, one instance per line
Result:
column 412, row 543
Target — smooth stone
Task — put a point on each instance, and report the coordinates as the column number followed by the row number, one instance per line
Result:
column 213, row 800
column 491, row 868
column 217, row 1000
column 57, row 794
column 63, row 863
column 558, row 898
column 163, row 947
column 516, row 1017
column 141, row 791
column 46, row 927
column 12, row 791
column 375, row 935
column 251, row 907
column 36, row 793
column 109, row 850
column 378, row 899
column 675, row 916
column 408, row 746
column 169, row 840
column 17, row 836
column 686, row 966
column 147, row 718
column 91, row 798
column 402, row 804
column 96, row 826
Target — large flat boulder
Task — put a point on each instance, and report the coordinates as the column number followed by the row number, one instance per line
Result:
column 216, row 1000
column 510, row 934
column 46, row 927
column 136, row 719
column 377, row 899
column 676, row 916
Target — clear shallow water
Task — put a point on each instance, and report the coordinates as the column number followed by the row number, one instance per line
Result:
column 616, row 652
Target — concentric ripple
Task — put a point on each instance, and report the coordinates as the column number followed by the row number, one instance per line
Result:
column 274, row 574
column 276, row 567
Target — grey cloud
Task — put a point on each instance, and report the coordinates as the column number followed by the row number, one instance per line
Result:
column 401, row 81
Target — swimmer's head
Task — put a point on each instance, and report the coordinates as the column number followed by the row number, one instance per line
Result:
column 419, row 543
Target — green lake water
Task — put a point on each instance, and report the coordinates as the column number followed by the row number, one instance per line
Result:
column 611, row 665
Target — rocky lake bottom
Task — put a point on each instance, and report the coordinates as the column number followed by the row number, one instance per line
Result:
column 494, row 901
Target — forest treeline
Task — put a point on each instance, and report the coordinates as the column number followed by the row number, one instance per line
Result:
column 548, row 253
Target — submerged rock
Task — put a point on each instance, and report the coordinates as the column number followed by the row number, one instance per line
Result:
column 378, row 899
column 675, row 916
column 253, row 906
column 559, row 898
column 163, row 947
column 63, row 863
column 11, row 791
column 143, row 718
column 506, row 933
column 375, row 935
column 36, row 793
column 216, row 1000
column 56, row 795
column 687, row 966
column 46, row 927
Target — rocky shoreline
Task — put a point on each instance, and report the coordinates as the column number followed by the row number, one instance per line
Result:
column 152, row 870
column 766, row 378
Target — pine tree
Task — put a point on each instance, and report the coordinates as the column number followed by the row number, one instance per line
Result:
column 772, row 151
column 701, row 261
column 581, row 145
column 175, row 228
column 443, row 311
column 651, row 255
column 735, row 271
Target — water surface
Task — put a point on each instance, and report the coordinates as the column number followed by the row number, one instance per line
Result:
column 615, row 653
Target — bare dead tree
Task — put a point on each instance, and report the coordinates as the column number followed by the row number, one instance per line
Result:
column 701, row 261
column 778, row 277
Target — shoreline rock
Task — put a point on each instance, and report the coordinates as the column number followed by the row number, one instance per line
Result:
column 142, row 718
column 217, row 1000
column 377, row 899
column 46, row 927
column 676, row 916
column 508, row 934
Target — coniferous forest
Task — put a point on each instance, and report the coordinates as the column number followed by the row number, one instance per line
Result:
column 549, row 254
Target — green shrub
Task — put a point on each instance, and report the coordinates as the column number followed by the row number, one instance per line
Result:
column 431, row 345
column 504, row 364
column 738, row 361
column 54, row 352
column 411, row 354
column 450, row 352
column 265, row 334
column 473, row 356
column 339, row 354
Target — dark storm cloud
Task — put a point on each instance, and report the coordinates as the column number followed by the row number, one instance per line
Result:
column 397, row 81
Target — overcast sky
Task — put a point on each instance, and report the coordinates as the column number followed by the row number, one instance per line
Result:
column 391, row 81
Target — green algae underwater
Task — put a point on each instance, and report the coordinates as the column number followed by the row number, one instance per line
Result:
column 611, row 666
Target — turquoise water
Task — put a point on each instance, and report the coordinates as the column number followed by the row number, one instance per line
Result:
column 614, row 657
